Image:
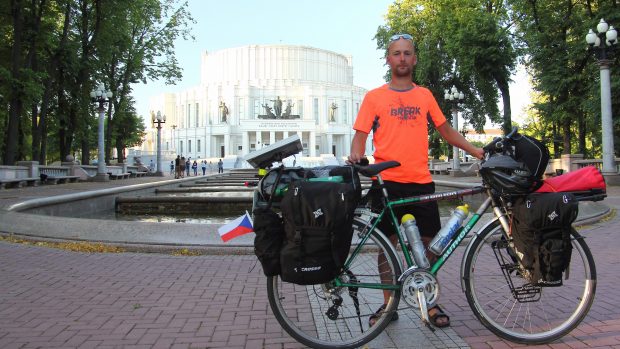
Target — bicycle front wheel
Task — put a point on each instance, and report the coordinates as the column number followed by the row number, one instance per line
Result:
column 511, row 308
column 325, row 316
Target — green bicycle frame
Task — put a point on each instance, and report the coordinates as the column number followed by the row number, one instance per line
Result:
column 389, row 208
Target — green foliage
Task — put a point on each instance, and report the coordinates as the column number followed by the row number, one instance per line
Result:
column 552, row 34
column 464, row 43
column 58, row 51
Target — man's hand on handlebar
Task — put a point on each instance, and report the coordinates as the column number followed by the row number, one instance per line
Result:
column 356, row 158
column 478, row 153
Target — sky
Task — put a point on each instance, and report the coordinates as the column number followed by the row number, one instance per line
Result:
column 343, row 26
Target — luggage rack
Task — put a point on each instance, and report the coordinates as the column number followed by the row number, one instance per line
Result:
column 590, row 195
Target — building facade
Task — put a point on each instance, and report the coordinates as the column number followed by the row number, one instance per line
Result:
column 252, row 96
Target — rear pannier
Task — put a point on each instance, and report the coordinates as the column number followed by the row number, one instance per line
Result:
column 541, row 231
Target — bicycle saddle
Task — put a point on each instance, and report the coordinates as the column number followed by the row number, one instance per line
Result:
column 374, row 169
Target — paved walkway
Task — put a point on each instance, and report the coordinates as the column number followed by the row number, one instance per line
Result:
column 60, row 299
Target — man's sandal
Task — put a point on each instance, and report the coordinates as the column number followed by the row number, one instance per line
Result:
column 374, row 317
column 437, row 314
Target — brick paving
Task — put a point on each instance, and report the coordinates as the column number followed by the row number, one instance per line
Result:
column 53, row 298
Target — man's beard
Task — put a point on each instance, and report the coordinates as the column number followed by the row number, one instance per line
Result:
column 401, row 72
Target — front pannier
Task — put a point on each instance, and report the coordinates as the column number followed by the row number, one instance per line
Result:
column 541, row 231
column 318, row 219
column 268, row 240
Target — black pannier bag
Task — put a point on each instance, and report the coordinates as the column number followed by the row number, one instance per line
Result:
column 318, row 219
column 541, row 228
column 269, row 231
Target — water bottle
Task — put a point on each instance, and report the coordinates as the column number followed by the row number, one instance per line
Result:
column 415, row 242
column 445, row 234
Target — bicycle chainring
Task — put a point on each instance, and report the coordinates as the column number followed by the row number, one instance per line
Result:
column 414, row 279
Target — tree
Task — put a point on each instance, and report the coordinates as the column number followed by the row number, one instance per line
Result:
column 59, row 50
column 138, row 44
column 466, row 44
column 552, row 33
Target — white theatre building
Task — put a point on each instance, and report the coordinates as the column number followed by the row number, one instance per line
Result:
column 252, row 96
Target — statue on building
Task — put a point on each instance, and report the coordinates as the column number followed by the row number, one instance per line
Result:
column 332, row 112
column 269, row 111
column 277, row 107
column 276, row 111
column 223, row 111
column 288, row 110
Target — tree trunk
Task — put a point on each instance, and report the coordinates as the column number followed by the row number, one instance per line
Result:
column 36, row 133
column 556, row 143
column 504, row 89
column 582, row 135
column 566, row 139
column 15, row 100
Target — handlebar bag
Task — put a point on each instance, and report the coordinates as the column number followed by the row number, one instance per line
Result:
column 541, row 227
column 533, row 153
column 318, row 220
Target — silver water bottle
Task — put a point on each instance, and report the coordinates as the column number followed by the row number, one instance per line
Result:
column 445, row 234
column 415, row 242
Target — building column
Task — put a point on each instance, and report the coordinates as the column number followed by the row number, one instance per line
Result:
column 227, row 149
column 330, row 143
column 284, row 134
column 312, row 143
column 259, row 140
column 272, row 137
column 245, row 143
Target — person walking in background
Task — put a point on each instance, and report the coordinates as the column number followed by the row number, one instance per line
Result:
column 398, row 114
column 188, row 165
column 195, row 168
column 182, row 167
column 171, row 167
column 203, row 165
column 220, row 166
column 177, row 167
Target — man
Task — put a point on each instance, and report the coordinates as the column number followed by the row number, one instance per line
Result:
column 220, row 166
column 177, row 167
column 398, row 113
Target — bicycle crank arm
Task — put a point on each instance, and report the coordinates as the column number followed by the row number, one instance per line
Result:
column 423, row 308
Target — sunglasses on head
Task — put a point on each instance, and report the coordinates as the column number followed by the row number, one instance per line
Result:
column 401, row 36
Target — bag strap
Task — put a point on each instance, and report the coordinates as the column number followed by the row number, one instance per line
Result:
column 275, row 186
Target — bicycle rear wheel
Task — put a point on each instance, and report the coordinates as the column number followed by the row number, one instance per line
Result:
column 525, row 313
column 324, row 316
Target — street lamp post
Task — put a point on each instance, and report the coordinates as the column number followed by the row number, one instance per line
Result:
column 603, row 44
column 454, row 97
column 158, row 119
column 100, row 96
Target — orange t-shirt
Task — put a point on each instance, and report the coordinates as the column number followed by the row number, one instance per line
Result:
column 402, row 130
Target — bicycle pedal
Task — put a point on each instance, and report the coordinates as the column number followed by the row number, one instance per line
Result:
column 428, row 325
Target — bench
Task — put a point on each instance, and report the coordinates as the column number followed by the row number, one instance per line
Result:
column 47, row 179
column 137, row 174
column 119, row 175
column 18, row 182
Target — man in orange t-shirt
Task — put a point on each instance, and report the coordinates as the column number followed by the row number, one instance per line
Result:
column 398, row 113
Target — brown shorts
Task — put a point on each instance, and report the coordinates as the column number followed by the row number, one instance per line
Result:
column 426, row 214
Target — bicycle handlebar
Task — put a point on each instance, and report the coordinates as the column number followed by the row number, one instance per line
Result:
column 497, row 144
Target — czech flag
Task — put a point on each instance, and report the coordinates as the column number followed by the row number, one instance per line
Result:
column 235, row 228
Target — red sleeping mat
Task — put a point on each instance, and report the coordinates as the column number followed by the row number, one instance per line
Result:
column 584, row 179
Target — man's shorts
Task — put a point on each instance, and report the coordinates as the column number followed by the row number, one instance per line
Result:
column 426, row 214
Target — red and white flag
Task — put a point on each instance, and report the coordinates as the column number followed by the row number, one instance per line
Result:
column 237, row 227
